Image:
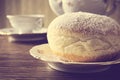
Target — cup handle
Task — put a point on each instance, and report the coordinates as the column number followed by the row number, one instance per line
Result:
column 39, row 23
column 110, row 6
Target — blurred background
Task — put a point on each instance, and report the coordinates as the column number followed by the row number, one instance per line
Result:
column 18, row 7
column 53, row 8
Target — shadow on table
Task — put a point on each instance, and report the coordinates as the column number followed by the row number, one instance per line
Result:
column 33, row 42
column 110, row 74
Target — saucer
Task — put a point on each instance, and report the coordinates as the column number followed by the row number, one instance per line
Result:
column 13, row 35
column 44, row 53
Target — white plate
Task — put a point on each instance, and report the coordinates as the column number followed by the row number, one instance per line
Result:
column 13, row 35
column 44, row 53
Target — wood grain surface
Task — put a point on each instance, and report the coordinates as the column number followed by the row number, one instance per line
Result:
column 17, row 64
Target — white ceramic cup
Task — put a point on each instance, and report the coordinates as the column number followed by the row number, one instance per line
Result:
column 93, row 6
column 26, row 23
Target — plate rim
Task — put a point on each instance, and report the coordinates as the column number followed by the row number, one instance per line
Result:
column 34, row 49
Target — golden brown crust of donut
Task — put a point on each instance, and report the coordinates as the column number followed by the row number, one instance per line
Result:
column 76, row 58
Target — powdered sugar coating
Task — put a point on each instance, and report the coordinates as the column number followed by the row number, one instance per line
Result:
column 82, row 21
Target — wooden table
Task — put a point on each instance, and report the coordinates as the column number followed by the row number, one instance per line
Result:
column 17, row 64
